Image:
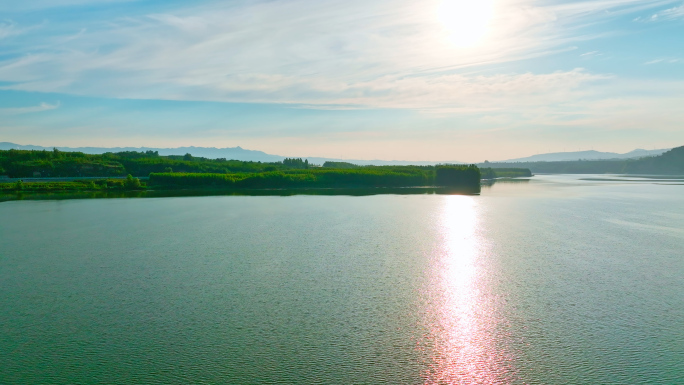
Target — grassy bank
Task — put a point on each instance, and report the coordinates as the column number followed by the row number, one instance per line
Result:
column 127, row 184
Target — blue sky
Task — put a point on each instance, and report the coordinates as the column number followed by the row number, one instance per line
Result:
column 431, row 80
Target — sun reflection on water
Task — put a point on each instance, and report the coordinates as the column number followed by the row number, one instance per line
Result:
column 461, row 317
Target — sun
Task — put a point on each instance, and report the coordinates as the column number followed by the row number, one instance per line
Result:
column 465, row 22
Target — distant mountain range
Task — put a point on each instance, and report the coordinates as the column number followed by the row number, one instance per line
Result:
column 587, row 155
column 236, row 153
column 670, row 162
column 239, row 153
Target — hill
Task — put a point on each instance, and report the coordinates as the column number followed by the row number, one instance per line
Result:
column 587, row 155
column 669, row 163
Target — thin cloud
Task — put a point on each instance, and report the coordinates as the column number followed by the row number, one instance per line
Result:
column 671, row 13
column 382, row 54
column 34, row 5
column 663, row 61
column 590, row 54
column 27, row 110
column 9, row 28
column 664, row 15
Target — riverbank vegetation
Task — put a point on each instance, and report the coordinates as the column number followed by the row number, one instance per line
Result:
column 128, row 184
column 493, row 173
column 50, row 164
column 29, row 164
column 466, row 177
column 188, row 172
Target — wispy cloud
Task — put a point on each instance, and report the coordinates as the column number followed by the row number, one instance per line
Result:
column 10, row 28
column 34, row 5
column 670, row 13
column 7, row 28
column 591, row 54
column 27, row 110
column 353, row 53
column 666, row 14
column 663, row 61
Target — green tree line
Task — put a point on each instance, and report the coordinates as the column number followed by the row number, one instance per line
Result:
column 130, row 183
column 26, row 164
column 492, row 173
column 373, row 176
column 330, row 164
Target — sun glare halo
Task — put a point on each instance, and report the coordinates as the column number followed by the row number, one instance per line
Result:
column 466, row 22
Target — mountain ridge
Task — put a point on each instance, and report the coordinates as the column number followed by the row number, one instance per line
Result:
column 239, row 153
column 586, row 155
column 236, row 153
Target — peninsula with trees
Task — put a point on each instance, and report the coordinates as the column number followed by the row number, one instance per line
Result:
column 54, row 171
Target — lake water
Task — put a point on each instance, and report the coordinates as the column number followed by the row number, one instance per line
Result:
column 559, row 280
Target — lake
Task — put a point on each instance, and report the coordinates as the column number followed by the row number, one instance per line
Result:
column 556, row 280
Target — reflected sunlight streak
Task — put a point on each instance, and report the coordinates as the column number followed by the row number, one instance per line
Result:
column 462, row 318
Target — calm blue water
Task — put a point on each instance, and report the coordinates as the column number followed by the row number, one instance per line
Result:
column 557, row 280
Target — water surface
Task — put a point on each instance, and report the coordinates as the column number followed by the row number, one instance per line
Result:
column 553, row 281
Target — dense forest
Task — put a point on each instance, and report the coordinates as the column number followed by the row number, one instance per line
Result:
column 105, row 185
column 492, row 173
column 466, row 177
column 669, row 163
column 46, row 164
column 174, row 172
column 27, row 164
column 340, row 165
column 187, row 171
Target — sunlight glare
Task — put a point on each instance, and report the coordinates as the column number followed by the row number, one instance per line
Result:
column 466, row 22
column 462, row 317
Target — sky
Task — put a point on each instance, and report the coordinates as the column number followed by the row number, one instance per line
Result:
column 431, row 80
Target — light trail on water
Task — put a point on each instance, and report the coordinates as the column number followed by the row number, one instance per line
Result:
column 461, row 317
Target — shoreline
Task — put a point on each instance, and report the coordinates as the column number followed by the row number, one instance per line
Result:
column 198, row 192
